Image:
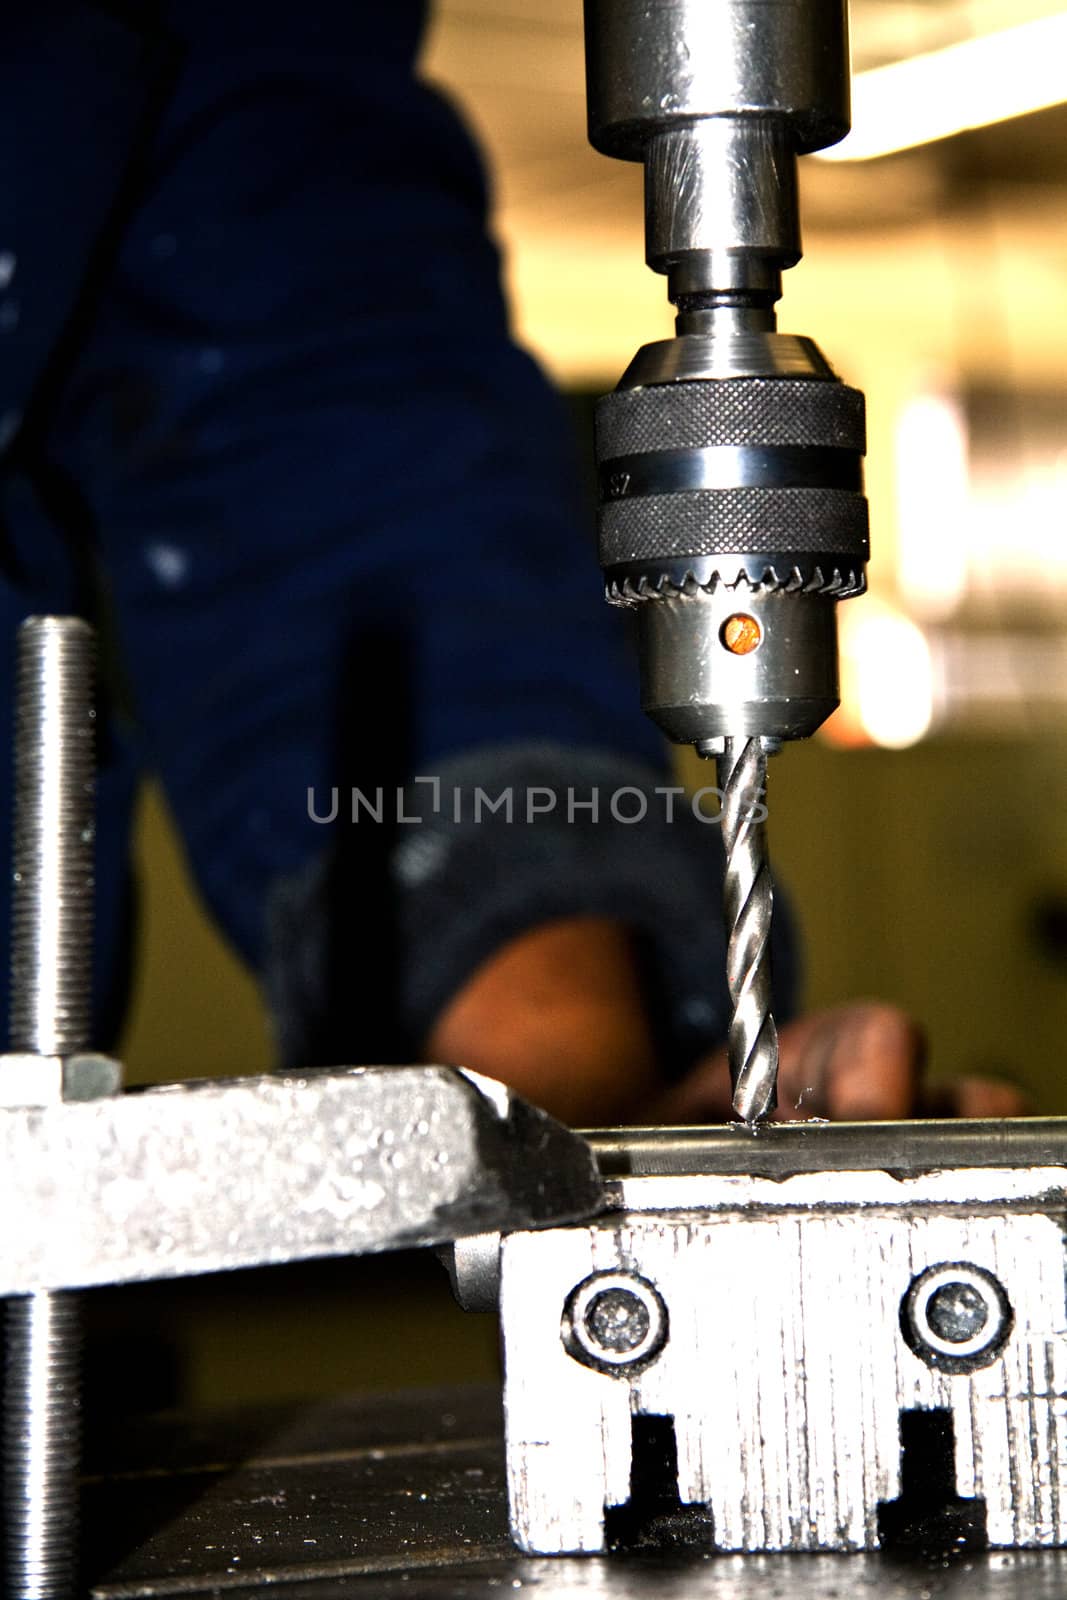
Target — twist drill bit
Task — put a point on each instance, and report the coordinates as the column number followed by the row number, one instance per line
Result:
column 748, row 897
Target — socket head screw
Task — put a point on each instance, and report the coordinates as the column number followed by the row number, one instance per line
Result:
column 957, row 1312
column 614, row 1321
column 956, row 1317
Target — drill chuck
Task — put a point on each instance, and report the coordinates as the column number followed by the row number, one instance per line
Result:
column 731, row 518
column 732, row 515
column 764, row 472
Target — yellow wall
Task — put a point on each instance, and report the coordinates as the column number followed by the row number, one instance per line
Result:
column 195, row 1011
column 915, row 874
column 912, row 872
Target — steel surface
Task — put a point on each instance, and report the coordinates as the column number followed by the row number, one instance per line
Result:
column 206, row 1177
column 781, row 1150
column 787, row 1377
column 402, row 1496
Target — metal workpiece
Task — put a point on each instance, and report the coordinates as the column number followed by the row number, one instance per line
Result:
column 858, row 1167
column 1029, row 1154
column 748, row 899
column 1031, row 1148
column 51, row 979
column 217, row 1175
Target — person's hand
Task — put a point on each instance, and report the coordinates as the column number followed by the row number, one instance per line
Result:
column 557, row 1014
column 861, row 1062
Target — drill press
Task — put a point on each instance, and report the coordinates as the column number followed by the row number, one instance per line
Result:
column 732, row 517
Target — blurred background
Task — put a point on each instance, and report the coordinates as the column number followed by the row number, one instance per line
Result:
column 924, row 835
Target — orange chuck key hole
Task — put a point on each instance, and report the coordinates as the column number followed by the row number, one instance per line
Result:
column 740, row 634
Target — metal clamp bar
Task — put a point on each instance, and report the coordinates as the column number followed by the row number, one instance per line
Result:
column 212, row 1176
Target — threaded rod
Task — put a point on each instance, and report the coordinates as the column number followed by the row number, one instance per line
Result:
column 42, row 1437
column 52, row 910
column 51, row 937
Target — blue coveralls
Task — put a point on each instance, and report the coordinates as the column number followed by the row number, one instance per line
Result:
column 263, row 420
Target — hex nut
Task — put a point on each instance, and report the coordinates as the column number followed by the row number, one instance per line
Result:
column 28, row 1080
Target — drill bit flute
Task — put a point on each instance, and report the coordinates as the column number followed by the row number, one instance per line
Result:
column 748, row 896
column 732, row 516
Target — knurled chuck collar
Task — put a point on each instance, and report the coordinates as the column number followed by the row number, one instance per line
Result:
column 732, row 517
